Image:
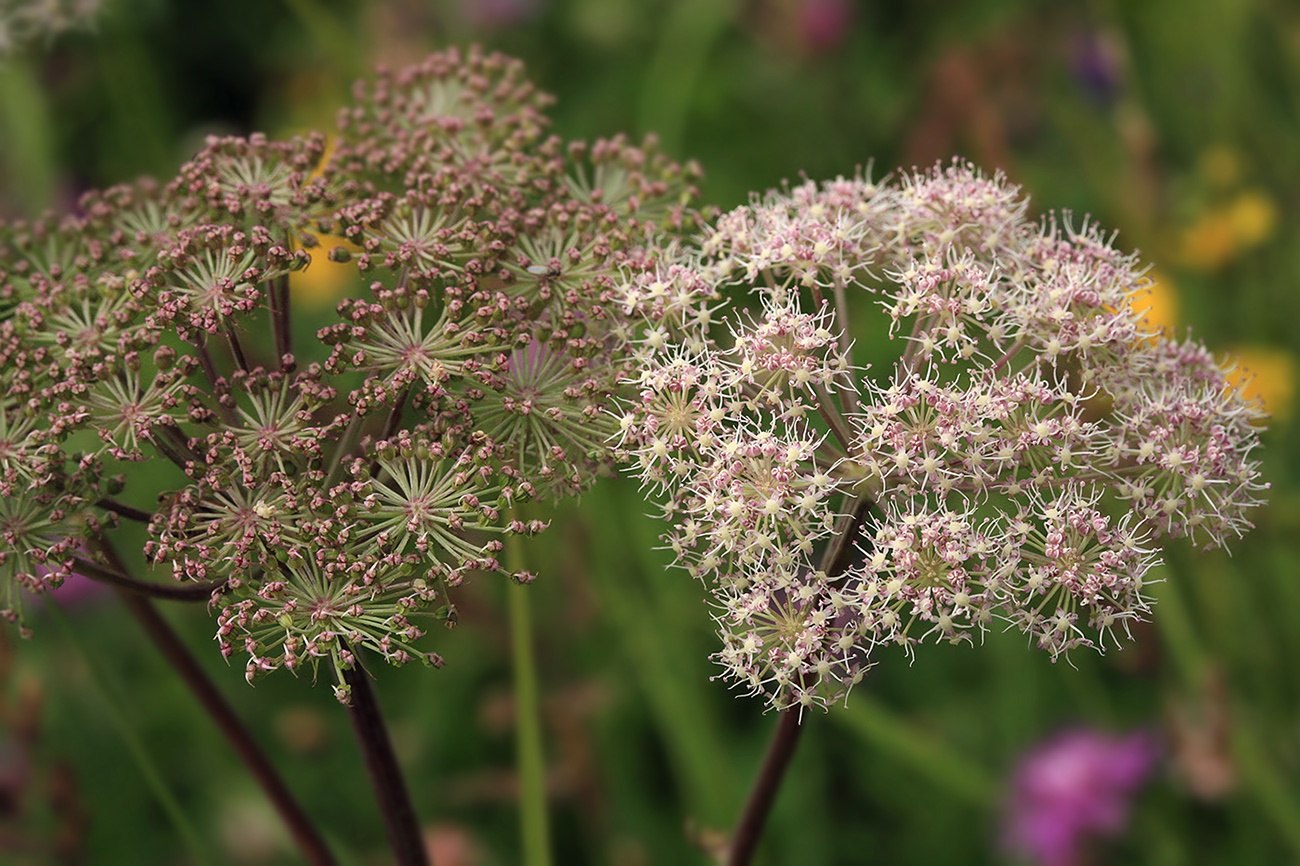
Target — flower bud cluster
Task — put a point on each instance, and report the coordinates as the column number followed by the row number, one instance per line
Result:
column 1023, row 460
column 335, row 487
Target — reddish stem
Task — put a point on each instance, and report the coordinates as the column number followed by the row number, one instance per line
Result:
column 386, row 777
column 300, row 827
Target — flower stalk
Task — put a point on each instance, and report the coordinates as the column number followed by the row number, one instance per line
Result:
column 134, row 595
column 534, row 823
column 301, row 829
column 404, row 837
column 758, row 805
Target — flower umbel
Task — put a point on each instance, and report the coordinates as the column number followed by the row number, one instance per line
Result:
column 1023, row 459
column 336, row 487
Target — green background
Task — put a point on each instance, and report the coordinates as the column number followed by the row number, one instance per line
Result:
column 1176, row 123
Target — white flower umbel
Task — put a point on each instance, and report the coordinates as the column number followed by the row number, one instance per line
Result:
column 1024, row 458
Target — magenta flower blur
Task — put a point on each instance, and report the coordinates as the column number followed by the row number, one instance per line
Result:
column 1071, row 789
column 824, row 24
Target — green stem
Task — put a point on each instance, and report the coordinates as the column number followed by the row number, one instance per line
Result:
column 1270, row 787
column 148, row 769
column 332, row 37
column 528, row 726
column 1273, row 796
column 690, row 31
column 1178, row 631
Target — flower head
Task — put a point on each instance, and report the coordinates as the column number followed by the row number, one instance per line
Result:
column 1023, row 459
column 338, row 486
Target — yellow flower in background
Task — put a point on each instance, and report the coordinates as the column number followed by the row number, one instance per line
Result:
column 323, row 282
column 1209, row 243
column 1265, row 375
column 1253, row 216
column 1224, row 231
column 1156, row 303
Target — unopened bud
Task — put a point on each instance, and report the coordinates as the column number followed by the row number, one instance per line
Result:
column 164, row 357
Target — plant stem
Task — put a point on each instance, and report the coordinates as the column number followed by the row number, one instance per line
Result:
column 392, row 424
column 121, row 580
column 385, row 775
column 341, row 450
column 299, row 825
column 210, row 370
column 281, row 331
column 121, row 509
column 236, row 348
column 533, row 822
column 835, row 561
column 763, row 794
column 171, row 443
column 132, row 593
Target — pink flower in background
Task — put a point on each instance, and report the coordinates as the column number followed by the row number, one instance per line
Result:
column 1074, row 787
column 78, row 588
column 823, row 24
column 75, row 589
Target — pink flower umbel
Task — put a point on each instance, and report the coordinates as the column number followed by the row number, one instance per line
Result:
column 1023, row 459
column 1074, row 788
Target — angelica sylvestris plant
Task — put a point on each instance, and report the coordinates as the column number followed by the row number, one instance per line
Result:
column 333, row 491
column 325, row 493
column 1022, row 462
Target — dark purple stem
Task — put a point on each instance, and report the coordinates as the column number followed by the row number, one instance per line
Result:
column 123, row 581
column 210, row 370
column 121, row 509
column 278, row 293
column 236, row 348
column 172, row 445
column 393, row 423
column 386, row 777
column 300, row 827
column 395, row 416
column 763, row 793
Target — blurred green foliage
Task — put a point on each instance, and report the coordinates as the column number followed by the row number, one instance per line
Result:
column 1176, row 122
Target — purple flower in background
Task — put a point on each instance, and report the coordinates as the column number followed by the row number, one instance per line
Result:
column 1097, row 64
column 78, row 588
column 1072, row 787
column 75, row 589
column 823, row 24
